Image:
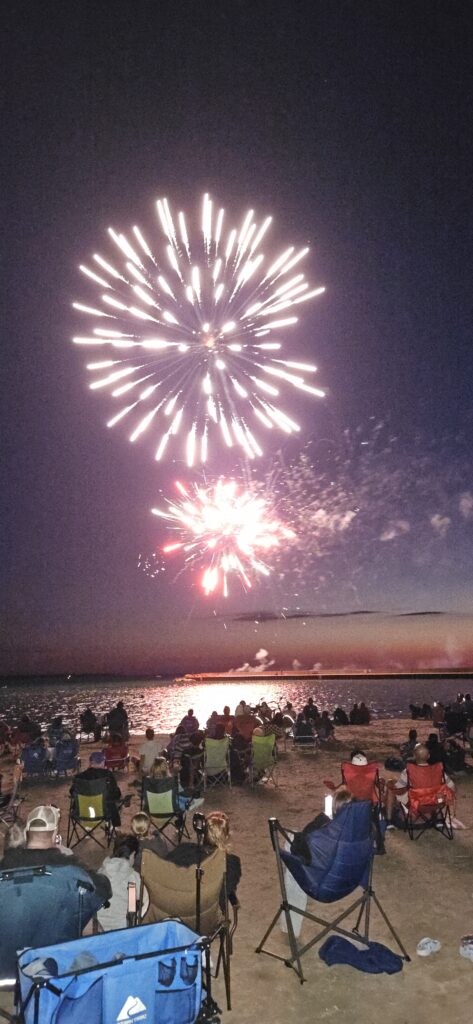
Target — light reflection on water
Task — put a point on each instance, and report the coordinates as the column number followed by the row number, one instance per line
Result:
column 162, row 703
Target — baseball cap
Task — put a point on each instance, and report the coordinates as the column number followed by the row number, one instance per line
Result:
column 44, row 818
column 97, row 757
column 359, row 759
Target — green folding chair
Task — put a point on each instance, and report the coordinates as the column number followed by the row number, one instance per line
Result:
column 263, row 760
column 217, row 763
column 165, row 806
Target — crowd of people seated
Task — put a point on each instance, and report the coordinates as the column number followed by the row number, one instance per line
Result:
column 39, row 842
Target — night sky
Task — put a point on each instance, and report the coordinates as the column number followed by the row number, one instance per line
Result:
column 349, row 122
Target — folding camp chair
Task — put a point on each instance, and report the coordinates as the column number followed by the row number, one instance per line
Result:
column 165, row 805
column 193, row 894
column 34, row 759
column 428, row 801
column 116, row 757
column 147, row 974
column 90, row 815
column 66, row 756
column 364, row 783
column 341, row 859
column 87, row 723
column 217, row 763
column 263, row 759
column 38, row 904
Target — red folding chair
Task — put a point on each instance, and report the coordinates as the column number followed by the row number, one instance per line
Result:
column 363, row 781
column 116, row 756
column 428, row 801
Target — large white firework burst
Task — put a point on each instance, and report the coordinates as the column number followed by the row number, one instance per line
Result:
column 192, row 341
column 223, row 530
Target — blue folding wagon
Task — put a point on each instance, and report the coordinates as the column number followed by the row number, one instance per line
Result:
column 151, row 974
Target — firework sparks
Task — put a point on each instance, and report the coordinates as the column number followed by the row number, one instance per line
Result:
column 223, row 531
column 193, row 343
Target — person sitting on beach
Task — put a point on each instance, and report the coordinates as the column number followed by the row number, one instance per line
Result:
column 189, row 723
column 97, row 770
column 407, row 749
column 212, row 723
column 178, row 745
column 276, row 726
column 364, row 716
column 191, row 760
column 157, row 842
column 355, row 715
column 119, row 870
column 87, row 721
column 311, row 710
column 303, row 730
column 324, row 727
column 397, row 792
column 160, row 770
column 245, row 725
column 438, row 713
column 435, row 748
column 227, row 720
column 288, row 714
column 468, row 706
column 118, row 721
column 340, row 717
column 264, row 711
column 55, row 730
column 216, row 836
column 149, row 751
column 299, row 846
column 44, row 846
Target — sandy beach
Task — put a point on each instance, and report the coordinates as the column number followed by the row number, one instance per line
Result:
column 426, row 887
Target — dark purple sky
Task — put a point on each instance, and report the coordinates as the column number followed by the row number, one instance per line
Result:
column 350, row 123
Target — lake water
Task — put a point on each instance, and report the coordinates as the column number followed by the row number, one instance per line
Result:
column 162, row 703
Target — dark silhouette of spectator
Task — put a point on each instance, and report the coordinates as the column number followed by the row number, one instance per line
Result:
column 340, row 717
column 118, row 721
column 364, row 716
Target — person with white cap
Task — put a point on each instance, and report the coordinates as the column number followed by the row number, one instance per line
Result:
column 43, row 846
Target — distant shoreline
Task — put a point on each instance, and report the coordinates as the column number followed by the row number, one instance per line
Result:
column 233, row 676
column 207, row 677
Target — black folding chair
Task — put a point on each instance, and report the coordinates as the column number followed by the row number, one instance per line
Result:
column 90, row 813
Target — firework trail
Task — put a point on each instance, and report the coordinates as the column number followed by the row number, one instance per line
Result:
column 224, row 531
column 190, row 345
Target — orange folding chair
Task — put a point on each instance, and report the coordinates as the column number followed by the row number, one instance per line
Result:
column 428, row 801
column 363, row 781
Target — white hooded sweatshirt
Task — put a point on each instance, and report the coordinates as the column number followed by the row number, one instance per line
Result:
column 120, row 871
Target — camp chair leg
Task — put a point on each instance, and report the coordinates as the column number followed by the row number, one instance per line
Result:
column 224, row 955
column 209, row 1011
column 295, row 957
column 387, row 922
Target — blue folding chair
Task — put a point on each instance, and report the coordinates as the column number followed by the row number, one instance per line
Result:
column 41, row 903
column 145, row 974
column 66, row 755
column 341, row 860
column 34, row 759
